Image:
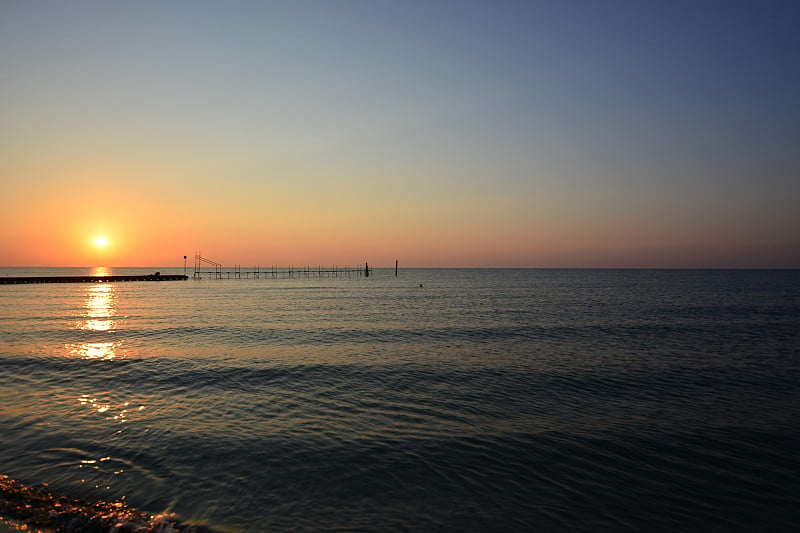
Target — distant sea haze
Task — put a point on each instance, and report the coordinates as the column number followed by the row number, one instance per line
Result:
column 435, row 400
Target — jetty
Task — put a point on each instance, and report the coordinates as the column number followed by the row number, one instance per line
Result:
column 204, row 267
column 7, row 280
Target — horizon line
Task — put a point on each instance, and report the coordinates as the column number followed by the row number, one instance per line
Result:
column 344, row 266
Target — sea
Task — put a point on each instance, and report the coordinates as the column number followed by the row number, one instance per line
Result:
column 431, row 400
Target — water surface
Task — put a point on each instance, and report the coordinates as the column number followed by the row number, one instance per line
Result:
column 438, row 400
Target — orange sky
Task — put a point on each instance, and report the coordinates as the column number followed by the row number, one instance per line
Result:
column 532, row 136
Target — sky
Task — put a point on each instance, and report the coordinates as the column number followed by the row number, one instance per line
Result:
column 439, row 133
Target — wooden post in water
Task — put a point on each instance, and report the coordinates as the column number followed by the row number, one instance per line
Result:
column 366, row 270
column 395, row 267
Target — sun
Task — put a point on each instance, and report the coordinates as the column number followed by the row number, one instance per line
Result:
column 101, row 241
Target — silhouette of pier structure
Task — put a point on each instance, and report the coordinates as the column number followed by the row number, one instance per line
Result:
column 206, row 267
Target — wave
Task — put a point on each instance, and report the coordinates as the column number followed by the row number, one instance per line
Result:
column 603, row 336
column 728, row 479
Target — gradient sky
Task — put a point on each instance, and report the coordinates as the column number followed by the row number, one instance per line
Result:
column 441, row 133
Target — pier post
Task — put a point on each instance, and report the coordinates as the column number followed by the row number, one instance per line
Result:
column 395, row 267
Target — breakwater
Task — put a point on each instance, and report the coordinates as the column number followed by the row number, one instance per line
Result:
column 8, row 280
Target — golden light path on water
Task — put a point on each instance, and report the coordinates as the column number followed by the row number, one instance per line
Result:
column 97, row 318
column 99, row 313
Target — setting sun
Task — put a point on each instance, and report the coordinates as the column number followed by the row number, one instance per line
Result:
column 100, row 241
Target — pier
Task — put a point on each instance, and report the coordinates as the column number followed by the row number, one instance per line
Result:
column 88, row 279
column 206, row 267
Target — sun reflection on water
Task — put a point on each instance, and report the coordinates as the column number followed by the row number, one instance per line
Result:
column 119, row 412
column 99, row 316
column 100, row 307
column 93, row 350
column 101, row 271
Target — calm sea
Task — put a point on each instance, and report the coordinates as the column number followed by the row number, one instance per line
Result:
column 437, row 400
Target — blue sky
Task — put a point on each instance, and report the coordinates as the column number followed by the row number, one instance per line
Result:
column 619, row 133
